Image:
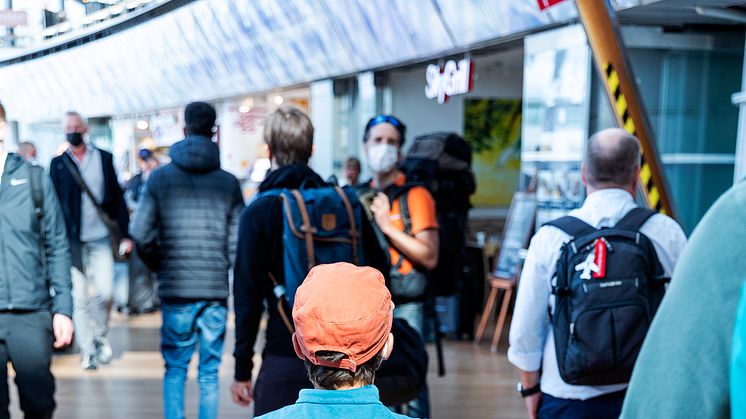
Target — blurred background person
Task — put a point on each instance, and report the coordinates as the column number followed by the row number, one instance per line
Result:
column 27, row 150
column 352, row 171
column 97, row 219
column 147, row 162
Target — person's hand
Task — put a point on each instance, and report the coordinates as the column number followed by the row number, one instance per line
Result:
column 242, row 393
column 532, row 404
column 380, row 209
column 63, row 330
column 126, row 246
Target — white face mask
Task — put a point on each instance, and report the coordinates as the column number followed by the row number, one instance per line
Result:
column 382, row 157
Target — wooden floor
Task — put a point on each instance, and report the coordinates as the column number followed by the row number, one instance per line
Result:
column 479, row 384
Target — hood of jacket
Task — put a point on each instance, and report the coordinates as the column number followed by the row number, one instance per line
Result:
column 195, row 154
column 291, row 176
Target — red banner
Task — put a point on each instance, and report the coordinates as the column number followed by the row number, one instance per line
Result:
column 544, row 4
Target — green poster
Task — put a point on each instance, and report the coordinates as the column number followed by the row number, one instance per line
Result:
column 493, row 129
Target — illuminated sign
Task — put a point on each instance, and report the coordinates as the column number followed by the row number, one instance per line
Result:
column 454, row 79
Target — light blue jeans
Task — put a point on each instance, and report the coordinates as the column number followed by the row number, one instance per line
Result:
column 186, row 326
column 414, row 315
column 91, row 313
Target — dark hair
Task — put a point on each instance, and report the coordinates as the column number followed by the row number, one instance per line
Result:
column 199, row 118
column 2, row 113
column 333, row 378
column 614, row 162
column 389, row 119
column 289, row 134
column 354, row 161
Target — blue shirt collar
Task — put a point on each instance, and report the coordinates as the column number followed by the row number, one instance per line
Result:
column 363, row 395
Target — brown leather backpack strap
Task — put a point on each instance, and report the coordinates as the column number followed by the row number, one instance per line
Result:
column 354, row 234
column 307, row 228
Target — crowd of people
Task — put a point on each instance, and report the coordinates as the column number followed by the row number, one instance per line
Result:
column 345, row 340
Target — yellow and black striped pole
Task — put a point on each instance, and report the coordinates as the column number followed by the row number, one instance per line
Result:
column 609, row 53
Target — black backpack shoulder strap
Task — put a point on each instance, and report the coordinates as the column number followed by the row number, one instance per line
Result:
column 573, row 226
column 406, row 217
column 634, row 219
column 37, row 189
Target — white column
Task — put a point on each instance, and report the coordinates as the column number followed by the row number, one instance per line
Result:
column 322, row 116
column 739, row 99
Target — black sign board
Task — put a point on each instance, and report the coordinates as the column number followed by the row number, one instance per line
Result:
column 518, row 229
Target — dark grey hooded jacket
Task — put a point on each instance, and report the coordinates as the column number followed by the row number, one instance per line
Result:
column 23, row 285
column 186, row 225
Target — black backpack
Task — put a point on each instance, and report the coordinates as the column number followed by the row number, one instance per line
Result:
column 402, row 376
column 609, row 284
column 441, row 162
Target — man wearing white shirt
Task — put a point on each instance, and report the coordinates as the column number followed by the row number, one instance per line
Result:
column 610, row 173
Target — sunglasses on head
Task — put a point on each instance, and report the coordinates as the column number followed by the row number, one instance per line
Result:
column 380, row 119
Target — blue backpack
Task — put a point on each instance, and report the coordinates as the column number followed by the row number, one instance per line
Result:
column 320, row 225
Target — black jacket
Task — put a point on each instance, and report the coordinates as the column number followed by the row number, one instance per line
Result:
column 70, row 196
column 22, row 281
column 185, row 226
column 260, row 252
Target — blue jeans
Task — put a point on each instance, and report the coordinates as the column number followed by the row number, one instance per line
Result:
column 414, row 315
column 184, row 327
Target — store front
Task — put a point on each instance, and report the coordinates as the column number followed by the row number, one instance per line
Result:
column 240, row 123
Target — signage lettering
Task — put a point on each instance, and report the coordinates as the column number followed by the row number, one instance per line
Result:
column 454, row 79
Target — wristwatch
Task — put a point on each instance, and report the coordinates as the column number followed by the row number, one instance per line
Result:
column 525, row 392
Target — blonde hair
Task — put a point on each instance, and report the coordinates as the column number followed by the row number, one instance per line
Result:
column 289, row 134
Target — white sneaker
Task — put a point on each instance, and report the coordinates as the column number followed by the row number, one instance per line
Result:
column 88, row 362
column 104, row 354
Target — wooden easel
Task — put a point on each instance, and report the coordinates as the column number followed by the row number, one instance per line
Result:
column 504, row 276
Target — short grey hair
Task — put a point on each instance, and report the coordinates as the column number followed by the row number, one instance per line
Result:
column 612, row 157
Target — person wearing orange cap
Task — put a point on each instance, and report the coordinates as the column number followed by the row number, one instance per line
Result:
column 342, row 316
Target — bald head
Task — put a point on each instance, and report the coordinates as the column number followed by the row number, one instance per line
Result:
column 612, row 159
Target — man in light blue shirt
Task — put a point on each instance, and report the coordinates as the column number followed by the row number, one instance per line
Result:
column 610, row 172
column 342, row 317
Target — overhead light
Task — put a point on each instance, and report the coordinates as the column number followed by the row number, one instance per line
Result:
column 278, row 100
column 244, row 109
column 142, row 124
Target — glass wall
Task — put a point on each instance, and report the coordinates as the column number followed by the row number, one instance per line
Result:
column 687, row 91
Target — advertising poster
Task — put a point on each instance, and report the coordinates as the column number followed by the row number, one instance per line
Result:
column 493, row 129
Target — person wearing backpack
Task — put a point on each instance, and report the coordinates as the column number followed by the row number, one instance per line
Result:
column 590, row 285
column 36, row 304
column 296, row 222
column 406, row 221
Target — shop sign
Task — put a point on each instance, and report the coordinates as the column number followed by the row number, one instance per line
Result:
column 13, row 18
column 454, row 79
column 545, row 4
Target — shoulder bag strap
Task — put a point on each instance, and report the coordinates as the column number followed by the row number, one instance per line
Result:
column 307, row 227
column 84, row 187
column 353, row 223
column 37, row 197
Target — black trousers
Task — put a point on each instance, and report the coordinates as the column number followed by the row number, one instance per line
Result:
column 608, row 406
column 280, row 380
column 26, row 341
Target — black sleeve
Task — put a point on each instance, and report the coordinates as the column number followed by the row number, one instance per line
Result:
column 234, row 216
column 250, row 279
column 144, row 226
column 119, row 206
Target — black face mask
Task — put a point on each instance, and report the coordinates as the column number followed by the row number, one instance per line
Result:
column 75, row 138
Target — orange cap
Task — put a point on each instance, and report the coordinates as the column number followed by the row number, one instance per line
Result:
column 342, row 308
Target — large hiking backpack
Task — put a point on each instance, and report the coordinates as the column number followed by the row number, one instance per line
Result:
column 441, row 162
column 608, row 285
column 320, row 225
